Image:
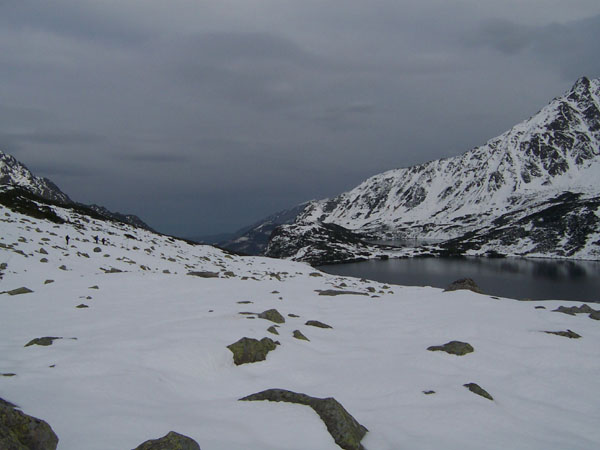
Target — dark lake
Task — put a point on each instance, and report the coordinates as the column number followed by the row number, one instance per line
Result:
column 536, row 279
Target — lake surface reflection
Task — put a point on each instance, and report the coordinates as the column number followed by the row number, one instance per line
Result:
column 537, row 279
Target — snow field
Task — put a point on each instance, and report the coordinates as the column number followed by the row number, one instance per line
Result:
column 150, row 354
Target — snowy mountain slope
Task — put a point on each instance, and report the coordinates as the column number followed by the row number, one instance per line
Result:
column 253, row 240
column 12, row 172
column 555, row 151
column 149, row 354
column 15, row 174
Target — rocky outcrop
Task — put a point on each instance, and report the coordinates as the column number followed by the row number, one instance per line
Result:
column 18, row 431
column 476, row 389
column 316, row 323
column 569, row 334
column 171, row 441
column 273, row 315
column 248, row 350
column 345, row 429
column 453, row 347
column 44, row 341
column 464, row 283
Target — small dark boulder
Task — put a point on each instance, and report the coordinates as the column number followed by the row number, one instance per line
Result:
column 273, row 330
column 18, row 431
column 171, row 441
column 19, row 291
column 570, row 334
column 97, row 250
column 248, row 350
column 345, row 429
column 334, row 292
column 453, row 347
column 273, row 315
column 298, row 335
column 476, row 389
column 464, row 283
column 82, row 305
column 316, row 323
column 204, row 274
column 595, row 315
column 45, row 341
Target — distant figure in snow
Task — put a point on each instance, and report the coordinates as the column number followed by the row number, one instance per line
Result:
column 96, row 238
column 103, row 241
column 67, row 239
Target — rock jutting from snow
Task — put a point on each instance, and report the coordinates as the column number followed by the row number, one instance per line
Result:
column 464, row 283
column 334, row 292
column 204, row 274
column 248, row 350
column 572, row 310
column 570, row 334
column 171, row 441
column 273, row 315
column 476, row 389
column 273, row 330
column 298, row 335
column 316, row 323
column 345, row 429
column 19, row 431
column 19, row 291
column 44, row 341
column 453, row 347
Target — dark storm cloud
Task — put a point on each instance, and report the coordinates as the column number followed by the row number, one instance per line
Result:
column 569, row 47
column 205, row 116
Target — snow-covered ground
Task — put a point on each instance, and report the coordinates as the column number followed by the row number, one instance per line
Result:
column 150, row 353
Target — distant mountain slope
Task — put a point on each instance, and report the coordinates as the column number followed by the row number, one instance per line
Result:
column 14, row 174
column 555, row 151
column 253, row 239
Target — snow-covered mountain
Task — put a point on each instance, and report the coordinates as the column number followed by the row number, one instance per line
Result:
column 14, row 174
column 115, row 344
column 554, row 152
column 253, row 239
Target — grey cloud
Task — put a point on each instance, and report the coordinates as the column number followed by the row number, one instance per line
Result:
column 567, row 46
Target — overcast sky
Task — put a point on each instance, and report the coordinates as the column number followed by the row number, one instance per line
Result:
column 202, row 116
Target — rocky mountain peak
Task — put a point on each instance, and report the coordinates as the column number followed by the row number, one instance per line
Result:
column 14, row 173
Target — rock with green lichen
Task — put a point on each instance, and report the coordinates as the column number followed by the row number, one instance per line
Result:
column 298, row 335
column 19, row 291
column 345, row 429
column 45, row 341
column 248, row 350
column 171, row 441
column 476, row 389
column 273, row 315
column 570, row 334
column 273, row 330
column 316, row 323
column 18, row 431
column 453, row 347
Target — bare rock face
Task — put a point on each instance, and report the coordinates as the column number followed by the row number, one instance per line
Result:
column 345, row 430
column 464, row 283
column 18, row 431
column 171, row 441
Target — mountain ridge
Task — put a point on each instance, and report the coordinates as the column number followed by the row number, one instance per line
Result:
column 554, row 151
column 14, row 174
